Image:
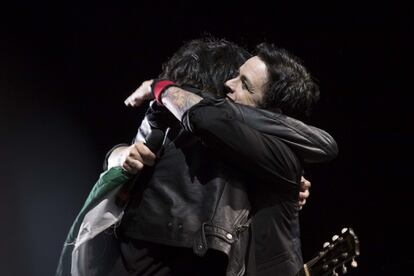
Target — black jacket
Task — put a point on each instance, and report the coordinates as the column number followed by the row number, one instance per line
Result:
column 228, row 163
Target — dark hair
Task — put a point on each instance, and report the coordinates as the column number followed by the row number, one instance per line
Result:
column 290, row 87
column 206, row 64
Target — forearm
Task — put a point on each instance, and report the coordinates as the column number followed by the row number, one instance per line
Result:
column 178, row 100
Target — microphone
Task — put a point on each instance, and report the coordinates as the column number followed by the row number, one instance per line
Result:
column 154, row 142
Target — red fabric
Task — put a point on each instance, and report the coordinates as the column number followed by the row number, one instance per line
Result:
column 159, row 87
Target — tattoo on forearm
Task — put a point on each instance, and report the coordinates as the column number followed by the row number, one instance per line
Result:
column 178, row 101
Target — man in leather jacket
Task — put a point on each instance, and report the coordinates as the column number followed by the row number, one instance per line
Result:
column 252, row 141
column 203, row 199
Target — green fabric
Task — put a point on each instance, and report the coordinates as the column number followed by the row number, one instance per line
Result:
column 107, row 182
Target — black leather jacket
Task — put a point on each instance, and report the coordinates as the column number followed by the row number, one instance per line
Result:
column 227, row 163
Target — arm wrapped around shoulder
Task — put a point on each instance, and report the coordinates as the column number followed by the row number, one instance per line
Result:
column 208, row 116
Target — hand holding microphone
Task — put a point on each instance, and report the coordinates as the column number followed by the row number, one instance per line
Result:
column 138, row 157
column 140, row 154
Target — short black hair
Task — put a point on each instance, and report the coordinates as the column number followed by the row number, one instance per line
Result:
column 206, row 64
column 290, row 87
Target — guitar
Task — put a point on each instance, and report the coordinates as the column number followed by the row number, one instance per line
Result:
column 344, row 248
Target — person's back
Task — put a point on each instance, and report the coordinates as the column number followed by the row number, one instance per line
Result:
column 187, row 202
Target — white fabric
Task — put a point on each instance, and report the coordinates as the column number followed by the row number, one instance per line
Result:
column 97, row 220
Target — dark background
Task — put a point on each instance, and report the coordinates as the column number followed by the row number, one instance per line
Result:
column 65, row 69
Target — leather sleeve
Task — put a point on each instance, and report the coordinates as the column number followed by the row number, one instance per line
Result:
column 156, row 117
column 312, row 144
column 220, row 127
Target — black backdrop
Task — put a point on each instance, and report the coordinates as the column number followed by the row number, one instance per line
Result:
column 65, row 69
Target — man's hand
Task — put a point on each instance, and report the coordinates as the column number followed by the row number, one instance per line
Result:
column 141, row 95
column 304, row 191
column 134, row 157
